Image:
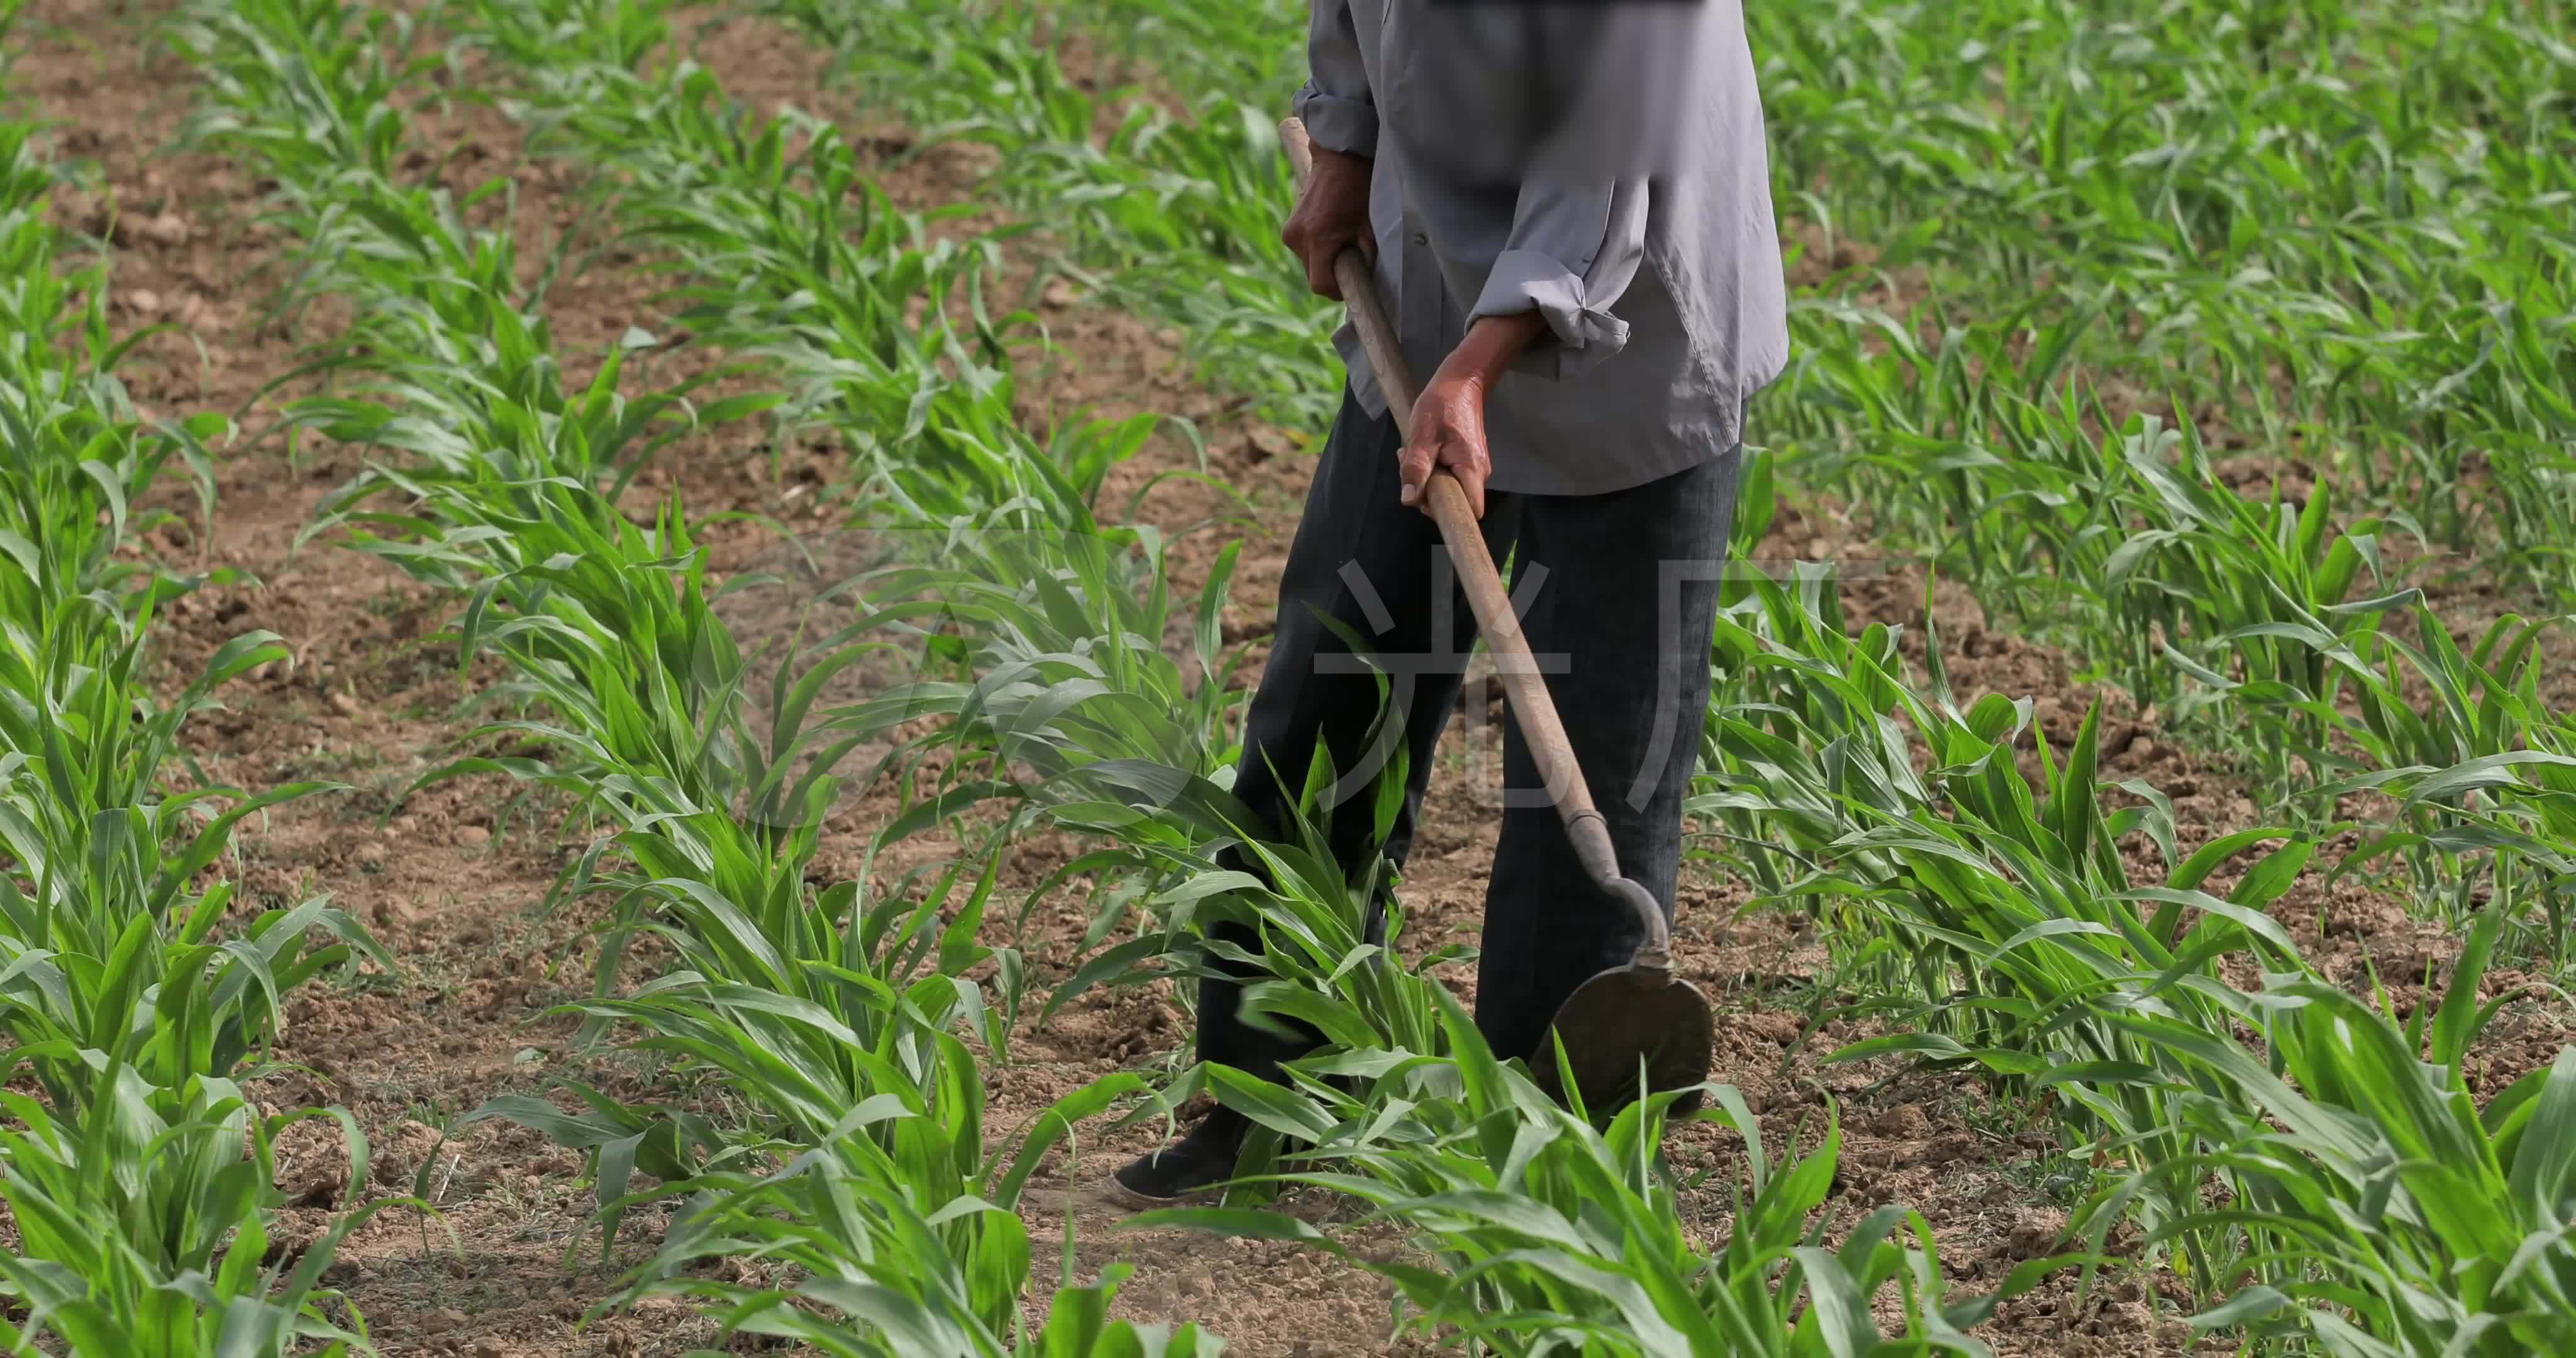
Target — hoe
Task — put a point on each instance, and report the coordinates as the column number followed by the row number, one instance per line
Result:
column 1629, row 1019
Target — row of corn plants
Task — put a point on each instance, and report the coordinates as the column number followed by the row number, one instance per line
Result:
column 841, row 1013
column 972, row 526
column 139, row 995
column 2369, row 1203
column 1029, row 715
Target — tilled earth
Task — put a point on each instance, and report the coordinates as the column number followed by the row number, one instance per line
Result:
column 454, row 877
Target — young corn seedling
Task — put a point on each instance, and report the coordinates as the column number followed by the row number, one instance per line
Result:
column 858, row 1271
column 141, row 1227
column 112, row 939
column 1320, row 941
column 306, row 87
column 2482, row 782
column 77, row 464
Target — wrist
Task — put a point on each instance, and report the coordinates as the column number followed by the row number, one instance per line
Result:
column 1340, row 164
column 1491, row 343
column 1460, row 370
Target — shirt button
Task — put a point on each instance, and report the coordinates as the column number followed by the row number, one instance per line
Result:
column 1422, row 238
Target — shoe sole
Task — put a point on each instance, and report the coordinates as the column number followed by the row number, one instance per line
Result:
column 1134, row 1201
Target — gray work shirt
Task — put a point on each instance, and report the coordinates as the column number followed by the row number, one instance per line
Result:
column 1601, row 162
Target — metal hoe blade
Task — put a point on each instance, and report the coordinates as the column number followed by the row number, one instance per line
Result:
column 1621, row 1021
column 1627, row 1020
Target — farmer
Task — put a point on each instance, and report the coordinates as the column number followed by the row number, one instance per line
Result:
column 1569, row 210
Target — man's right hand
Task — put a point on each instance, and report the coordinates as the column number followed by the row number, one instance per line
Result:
column 1332, row 215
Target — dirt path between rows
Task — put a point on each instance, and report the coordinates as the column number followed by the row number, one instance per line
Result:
column 453, row 878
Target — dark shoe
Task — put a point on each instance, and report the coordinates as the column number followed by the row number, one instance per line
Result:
column 1183, row 1170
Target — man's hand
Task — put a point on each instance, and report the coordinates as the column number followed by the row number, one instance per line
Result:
column 1331, row 216
column 1449, row 417
column 1449, row 433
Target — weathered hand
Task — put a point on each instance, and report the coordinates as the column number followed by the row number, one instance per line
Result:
column 1449, row 433
column 1449, row 417
column 1331, row 216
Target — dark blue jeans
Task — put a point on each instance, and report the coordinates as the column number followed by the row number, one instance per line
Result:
column 1617, row 595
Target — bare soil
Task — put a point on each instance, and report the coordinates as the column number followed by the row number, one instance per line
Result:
column 454, row 877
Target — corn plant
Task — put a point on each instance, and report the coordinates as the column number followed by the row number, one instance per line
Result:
column 1048, row 666
column 113, row 946
column 305, row 86
column 896, row 1216
column 79, row 465
column 807, row 1002
column 141, row 1225
column 2501, row 806
column 1323, row 940
column 850, row 1252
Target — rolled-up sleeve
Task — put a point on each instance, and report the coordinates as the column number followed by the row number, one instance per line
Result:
column 1335, row 104
column 1601, row 85
column 1572, row 253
